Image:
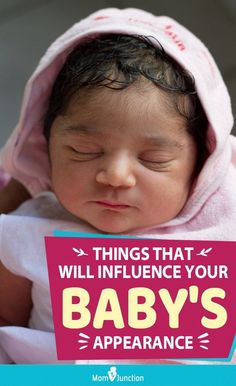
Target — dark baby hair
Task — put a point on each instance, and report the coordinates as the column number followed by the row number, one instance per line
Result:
column 117, row 61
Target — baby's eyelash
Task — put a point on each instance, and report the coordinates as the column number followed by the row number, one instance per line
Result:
column 87, row 153
column 84, row 156
column 154, row 162
column 84, row 152
column 155, row 165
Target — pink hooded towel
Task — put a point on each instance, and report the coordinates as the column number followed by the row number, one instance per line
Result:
column 210, row 212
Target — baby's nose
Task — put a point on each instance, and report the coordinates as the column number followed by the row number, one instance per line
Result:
column 117, row 172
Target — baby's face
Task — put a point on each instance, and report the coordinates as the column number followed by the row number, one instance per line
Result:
column 122, row 160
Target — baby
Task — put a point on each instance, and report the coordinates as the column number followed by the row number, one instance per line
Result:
column 125, row 129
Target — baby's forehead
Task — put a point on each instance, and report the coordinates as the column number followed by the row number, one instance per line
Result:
column 142, row 99
column 124, row 115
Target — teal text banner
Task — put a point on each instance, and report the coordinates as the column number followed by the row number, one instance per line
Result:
column 94, row 375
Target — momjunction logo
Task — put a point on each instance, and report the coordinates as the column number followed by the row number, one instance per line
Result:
column 112, row 375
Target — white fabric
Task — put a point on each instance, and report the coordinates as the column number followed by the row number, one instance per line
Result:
column 22, row 251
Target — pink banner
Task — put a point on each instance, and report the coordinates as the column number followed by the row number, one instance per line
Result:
column 142, row 298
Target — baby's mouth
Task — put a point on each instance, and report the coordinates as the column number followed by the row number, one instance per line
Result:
column 112, row 204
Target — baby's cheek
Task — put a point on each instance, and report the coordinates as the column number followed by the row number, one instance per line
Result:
column 168, row 196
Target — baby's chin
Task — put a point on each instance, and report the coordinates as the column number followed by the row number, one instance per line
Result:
column 117, row 227
column 112, row 229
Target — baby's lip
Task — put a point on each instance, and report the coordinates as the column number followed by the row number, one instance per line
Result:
column 112, row 204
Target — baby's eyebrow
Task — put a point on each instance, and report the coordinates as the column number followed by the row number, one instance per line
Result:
column 149, row 140
column 160, row 141
column 80, row 129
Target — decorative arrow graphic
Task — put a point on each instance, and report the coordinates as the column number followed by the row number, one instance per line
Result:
column 204, row 252
column 79, row 252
